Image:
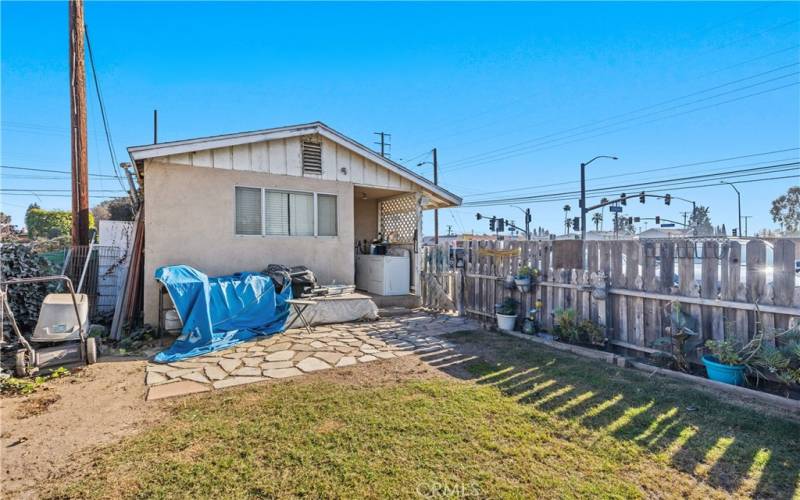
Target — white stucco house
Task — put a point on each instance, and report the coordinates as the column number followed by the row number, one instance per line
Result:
column 296, row 195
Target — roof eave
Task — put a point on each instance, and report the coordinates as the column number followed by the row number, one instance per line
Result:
column 150, row 151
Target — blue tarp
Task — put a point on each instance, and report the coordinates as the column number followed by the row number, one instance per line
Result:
column 220, row 312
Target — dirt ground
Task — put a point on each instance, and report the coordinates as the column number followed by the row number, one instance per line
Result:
column 59, row 428
column 47, row 431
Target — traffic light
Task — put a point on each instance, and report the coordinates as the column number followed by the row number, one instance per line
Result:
column 641, row 197
column 501, row 225
column 576, row 223
column 636, row 219
column 658, row 219
column 492, row 222
column 734, row 232
column 630, row 221
column 478, row 216
column 623, row 199
column 528, row 216
column 667, row 199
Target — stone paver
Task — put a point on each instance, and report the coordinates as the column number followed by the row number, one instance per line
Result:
column 312, row 365
column 181, row 388
column 330, row 357
column 232, row 381
column 282, row 372
column 271, row 365
column 295, row 353
column 230, row 364
column 247, row 371
column 155, row 378
column 280, row 356
column 215, row 372
column 346, row 361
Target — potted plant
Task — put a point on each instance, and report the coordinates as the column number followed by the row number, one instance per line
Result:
column 523, row 279
column 507, row 314
column 726, row 363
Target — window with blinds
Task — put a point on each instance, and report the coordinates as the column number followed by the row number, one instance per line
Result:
column 276, row 212
column 301, row 214
column 312, row 157
column 265, row 212
column 248, row 210
column 326, row 215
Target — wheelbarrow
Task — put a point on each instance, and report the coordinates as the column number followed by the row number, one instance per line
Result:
column 60, row 336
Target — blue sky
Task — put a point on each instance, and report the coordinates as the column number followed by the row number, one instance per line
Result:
column 512, row 95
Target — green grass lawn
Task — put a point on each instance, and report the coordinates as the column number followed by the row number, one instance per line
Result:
column 517, row 421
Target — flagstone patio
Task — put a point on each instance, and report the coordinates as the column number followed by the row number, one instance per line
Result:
column 295, row 352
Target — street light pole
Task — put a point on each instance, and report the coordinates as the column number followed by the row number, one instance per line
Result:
column 739, row 201
column 527, row 212
column 583, row 202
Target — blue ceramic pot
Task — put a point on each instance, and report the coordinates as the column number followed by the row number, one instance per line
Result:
column 728, row 374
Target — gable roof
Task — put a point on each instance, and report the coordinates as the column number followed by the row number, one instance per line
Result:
column 219, row 141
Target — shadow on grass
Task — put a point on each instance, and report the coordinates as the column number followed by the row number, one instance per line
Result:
column 731, row 448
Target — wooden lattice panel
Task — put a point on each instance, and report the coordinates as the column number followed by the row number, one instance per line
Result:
column 399, row 218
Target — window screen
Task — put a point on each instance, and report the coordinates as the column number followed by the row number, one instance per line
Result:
column 301, row 214
column 248, row 210
column 276, row 206
column 326, row 215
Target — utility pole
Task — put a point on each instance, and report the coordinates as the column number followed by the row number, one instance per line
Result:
column 435, row 210
column 78, row 143
column 745, row 217
column 384, row 144
column 155, row 126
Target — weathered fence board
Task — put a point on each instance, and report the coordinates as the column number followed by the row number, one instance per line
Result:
column 718, row 292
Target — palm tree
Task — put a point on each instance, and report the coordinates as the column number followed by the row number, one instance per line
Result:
column 604, row 201
column 567, row 208
column 597, row 218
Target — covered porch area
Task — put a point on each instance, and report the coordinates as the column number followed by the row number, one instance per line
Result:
column 387, row 223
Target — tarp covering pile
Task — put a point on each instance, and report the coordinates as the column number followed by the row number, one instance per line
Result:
column 220, row 312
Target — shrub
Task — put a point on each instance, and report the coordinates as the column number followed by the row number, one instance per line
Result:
column 566, row 325
column 509, row 307
column 21, row 261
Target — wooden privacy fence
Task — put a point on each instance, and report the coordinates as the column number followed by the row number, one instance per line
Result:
column 627, row 284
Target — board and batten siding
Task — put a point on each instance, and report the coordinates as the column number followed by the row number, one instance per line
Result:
column 283, row 157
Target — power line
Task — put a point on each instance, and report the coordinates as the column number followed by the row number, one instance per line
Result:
column 639, row 172
column 46, row 195
column 542, row 146
column 704, row 31
column 106, row 126
column 3, row 190
column 659, row 184
column 31, row 169
column 537, row 141
column 651, row 184
column 676, row 188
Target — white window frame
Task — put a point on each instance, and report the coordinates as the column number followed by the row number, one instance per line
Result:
column 264, row 213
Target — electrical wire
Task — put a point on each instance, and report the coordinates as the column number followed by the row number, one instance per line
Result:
column 31, row 169
column 649, row 185
column 535, row 142
column 640, row 172
column 106, row 126
column 543, row 146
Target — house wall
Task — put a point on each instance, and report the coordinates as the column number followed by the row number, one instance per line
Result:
column 189, row 219
column 366, row 219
